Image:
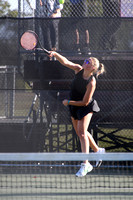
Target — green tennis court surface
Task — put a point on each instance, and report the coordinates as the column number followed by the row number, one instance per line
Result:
column 56, row 180
column 96, row 185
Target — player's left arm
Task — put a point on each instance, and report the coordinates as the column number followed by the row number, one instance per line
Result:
column 89, row 92
column 87, row 97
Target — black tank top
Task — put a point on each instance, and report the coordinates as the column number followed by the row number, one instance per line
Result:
column 78, row 86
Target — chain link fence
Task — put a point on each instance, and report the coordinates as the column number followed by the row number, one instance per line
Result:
column 90, row 8
column 36, row 118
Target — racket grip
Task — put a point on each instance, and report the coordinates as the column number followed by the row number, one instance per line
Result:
column 43, row 49
column 46, row 51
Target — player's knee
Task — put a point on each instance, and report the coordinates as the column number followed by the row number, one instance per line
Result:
column 82, row 135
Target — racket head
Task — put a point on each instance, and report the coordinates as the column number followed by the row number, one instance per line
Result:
column 29, row 40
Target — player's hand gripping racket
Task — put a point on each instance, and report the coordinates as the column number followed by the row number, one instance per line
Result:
column 29, row 41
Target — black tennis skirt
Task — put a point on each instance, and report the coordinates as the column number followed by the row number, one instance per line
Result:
column 79, row 112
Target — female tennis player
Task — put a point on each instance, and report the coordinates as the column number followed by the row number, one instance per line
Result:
column 81, row 103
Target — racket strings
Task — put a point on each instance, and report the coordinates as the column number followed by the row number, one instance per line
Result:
column 28, row 41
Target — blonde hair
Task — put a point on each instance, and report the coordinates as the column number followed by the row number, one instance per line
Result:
column 99, row 67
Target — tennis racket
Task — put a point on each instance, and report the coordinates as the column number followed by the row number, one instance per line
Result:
column 29, row 41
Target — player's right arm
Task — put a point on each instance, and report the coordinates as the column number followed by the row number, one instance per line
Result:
column 64, row 61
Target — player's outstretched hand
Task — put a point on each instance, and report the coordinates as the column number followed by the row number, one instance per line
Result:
column 51, row 54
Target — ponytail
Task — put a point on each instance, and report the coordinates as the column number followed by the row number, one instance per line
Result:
column 100, row 70
column 99, row 67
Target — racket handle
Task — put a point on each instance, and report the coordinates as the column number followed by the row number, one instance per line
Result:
column 43, row 49
column 46, row 51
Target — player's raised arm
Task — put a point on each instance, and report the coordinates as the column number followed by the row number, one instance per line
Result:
column 64, row 61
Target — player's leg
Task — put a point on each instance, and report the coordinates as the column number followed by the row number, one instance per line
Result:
column 92, row 142
column 81, row 127
column 84, row 123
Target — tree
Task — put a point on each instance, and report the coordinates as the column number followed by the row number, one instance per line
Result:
column 6, row 11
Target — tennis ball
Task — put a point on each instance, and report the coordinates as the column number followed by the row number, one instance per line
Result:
column 61, row 1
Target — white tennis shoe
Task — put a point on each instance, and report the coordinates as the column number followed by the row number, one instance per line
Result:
column 99, row 162
column 85, row 168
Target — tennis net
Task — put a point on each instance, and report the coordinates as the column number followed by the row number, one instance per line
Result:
column 52, row 176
